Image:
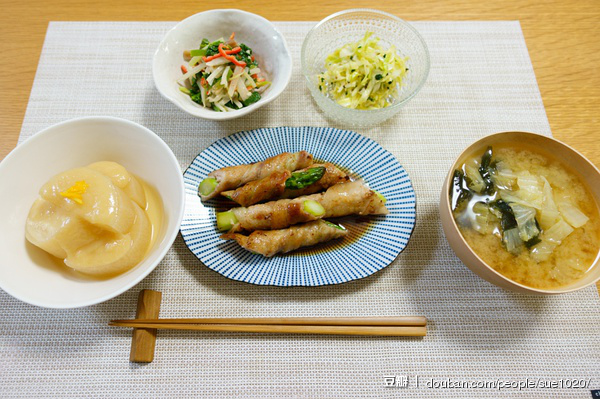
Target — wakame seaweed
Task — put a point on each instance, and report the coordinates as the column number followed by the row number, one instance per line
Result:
column 459, row 192
column 485, row 170
column 508, row 220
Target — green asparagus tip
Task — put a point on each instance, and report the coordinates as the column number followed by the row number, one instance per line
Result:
column 334, row 225
column 300, row 180
column 313, row 207
column 226, row 220
column 207, row 186
column 381, row 197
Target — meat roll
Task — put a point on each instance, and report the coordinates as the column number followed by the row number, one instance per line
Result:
column 286, row 184
column 271, row 242
column 234, row 176
column 353, row 198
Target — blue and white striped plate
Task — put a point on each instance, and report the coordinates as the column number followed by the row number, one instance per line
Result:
column 372, row 243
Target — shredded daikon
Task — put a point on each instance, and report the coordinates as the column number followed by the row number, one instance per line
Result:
column 222, row 75
column 363, row 75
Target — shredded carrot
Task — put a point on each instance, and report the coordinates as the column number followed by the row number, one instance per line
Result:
column 260, row 79
column 230, row 57
column 184, row 69
column 203, row 82
column 232, row 36
column 252, row 58
column 255, row 76
column 227, row 52
column 212, row 57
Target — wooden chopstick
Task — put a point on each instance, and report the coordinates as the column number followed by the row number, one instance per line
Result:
column 391, row 331
column 377, row 326
column 321, row 321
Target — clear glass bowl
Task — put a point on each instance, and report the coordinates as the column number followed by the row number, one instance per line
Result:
column 349, row 26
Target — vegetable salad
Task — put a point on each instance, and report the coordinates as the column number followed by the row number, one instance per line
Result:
column 222, row 75
column 363, row 75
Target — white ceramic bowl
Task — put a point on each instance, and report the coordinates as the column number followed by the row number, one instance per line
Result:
column 267, row 43
column 30, row 274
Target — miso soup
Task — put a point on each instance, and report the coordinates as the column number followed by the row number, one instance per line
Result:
column 526, row 215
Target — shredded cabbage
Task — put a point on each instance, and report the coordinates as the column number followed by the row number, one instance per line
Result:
column 558, row 232
column 485, row 221
column 525, row 217
column 549, row 213
column 476, row 182
column 530, row 189
column 514, row 197
column 551, row 238
column 362, row 75
column 542, row 251
column 503, row 177
column 570, row 212
column 512, row 241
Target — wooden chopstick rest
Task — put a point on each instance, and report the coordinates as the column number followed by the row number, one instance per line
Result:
column 143, row 340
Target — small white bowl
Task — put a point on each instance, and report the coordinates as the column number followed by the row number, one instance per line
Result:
column 267, row 43
column 29, row 273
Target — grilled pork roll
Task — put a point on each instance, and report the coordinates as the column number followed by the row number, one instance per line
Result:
column 271, row 242
column 233, row 177
column 285, row 184
column 353, row 198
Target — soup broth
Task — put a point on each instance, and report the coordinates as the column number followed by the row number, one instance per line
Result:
column 552, row 238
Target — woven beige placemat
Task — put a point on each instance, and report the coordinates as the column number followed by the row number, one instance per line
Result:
column 480, row 337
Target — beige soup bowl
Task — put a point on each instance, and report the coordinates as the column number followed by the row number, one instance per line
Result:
column 587, row 171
